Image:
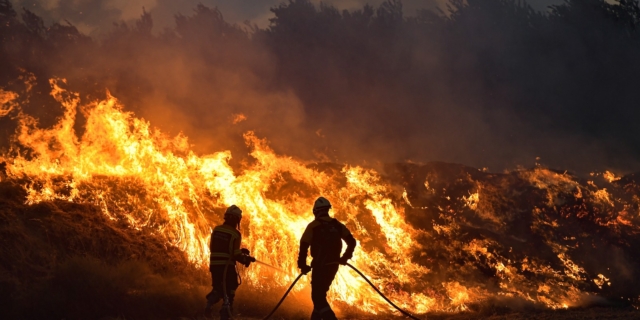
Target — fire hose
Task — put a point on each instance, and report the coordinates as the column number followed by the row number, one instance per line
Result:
column 362, row 275
column 225, row 301
column 284, row 296
column 225, row 297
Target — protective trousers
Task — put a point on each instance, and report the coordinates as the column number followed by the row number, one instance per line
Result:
column 321, row 279
column 217, row 293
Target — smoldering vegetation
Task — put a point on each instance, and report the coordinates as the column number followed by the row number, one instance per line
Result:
column 62, row 260
column 66, row 260
column 512, row 244
column 530, row 222
column 485, row 83
column 498, row 245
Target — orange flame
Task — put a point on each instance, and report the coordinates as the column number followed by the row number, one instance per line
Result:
column 138, row 175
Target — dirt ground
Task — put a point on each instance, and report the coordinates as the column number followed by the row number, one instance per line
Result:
column 595, row 313
column 576, row 314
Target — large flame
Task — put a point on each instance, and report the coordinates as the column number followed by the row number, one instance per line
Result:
column 150, row 181
column 136, row 174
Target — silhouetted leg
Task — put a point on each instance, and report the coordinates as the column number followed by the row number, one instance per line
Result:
column 315, row 315
column 215, row 295
column 321, row 279
column 232, row 285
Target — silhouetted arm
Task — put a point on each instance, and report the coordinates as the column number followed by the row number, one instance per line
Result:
column 351, row 243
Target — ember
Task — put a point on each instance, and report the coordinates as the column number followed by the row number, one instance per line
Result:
column 434, row 237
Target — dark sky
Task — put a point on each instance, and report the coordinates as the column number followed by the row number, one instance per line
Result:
column 94, row 17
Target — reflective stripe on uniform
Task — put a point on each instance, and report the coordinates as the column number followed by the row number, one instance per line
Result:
column 225, row 242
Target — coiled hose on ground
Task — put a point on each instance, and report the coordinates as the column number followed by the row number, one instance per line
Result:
column 362, row 275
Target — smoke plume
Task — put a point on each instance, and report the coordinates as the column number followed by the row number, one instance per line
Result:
column 492, row 84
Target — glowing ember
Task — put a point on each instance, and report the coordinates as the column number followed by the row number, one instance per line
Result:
column 6, row 104
column 137, row 175
column 237, row 118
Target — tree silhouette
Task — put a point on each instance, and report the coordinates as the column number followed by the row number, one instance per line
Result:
column 571, row 71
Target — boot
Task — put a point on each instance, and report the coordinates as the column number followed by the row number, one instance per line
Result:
column 212, row 298
column 226, row 312
column 324, row 314
column 329, row 315
column 315, row 315
column 208, row 311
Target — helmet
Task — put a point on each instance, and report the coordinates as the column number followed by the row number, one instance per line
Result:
column 234, row 211
column 321, row 204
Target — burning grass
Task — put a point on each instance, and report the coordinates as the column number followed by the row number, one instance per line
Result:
column 66, row 260
column 116, row 223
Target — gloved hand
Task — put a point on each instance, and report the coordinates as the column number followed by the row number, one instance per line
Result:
column 247, row 260
column 304, row 269
column 343, row 260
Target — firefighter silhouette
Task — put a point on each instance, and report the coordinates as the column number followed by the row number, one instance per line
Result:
column 225, row 252
column 324, row 235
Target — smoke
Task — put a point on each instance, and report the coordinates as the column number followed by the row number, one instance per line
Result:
column 492, row 84
column 97, row 17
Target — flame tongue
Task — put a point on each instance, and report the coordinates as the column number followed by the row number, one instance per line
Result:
column 439, row 262
column 138, row 175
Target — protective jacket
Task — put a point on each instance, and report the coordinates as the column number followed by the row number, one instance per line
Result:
column 225, row 245
column 324, row 235
column 225, row 252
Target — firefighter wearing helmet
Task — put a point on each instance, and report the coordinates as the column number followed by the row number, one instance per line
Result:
column 225, row 252
column 324, row 235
